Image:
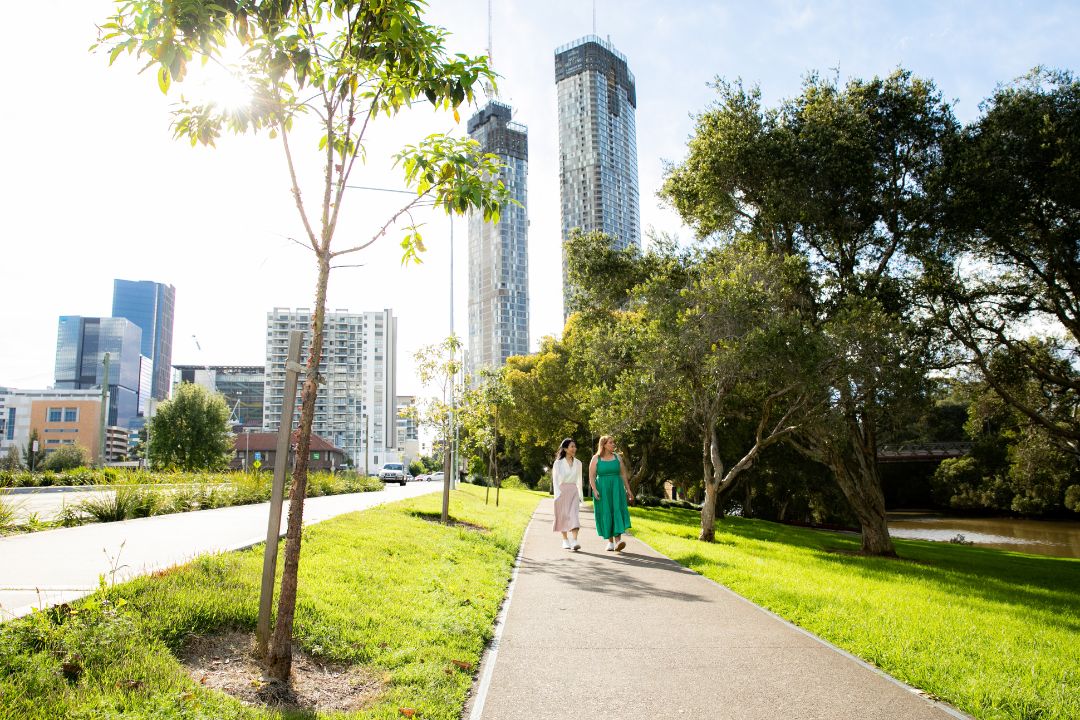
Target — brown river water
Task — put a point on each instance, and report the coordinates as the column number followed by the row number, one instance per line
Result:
column 1039, row 537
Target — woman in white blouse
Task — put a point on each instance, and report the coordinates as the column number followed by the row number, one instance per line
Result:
column 566, row 483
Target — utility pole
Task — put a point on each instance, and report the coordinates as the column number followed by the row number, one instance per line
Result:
column 104, row 405
column 367, row 439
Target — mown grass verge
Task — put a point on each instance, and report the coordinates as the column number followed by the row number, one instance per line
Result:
column 996, row 634
column 387, row 589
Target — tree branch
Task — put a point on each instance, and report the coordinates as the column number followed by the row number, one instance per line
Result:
column 382, row 231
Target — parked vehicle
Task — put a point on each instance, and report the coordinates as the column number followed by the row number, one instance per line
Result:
column 423, row 477
column 394, row 473
column 437, row 476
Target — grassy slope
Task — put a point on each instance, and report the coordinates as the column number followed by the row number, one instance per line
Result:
column 383, row 588
column 997, row 634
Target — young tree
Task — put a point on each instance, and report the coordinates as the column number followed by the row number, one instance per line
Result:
column 34, row 458
column 483, row 404
column 440, row 364
column 839, row 176
column 191, row 431
column 11, row 459
column 338, row 66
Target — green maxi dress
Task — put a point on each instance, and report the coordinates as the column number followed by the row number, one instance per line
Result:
column 610, row 511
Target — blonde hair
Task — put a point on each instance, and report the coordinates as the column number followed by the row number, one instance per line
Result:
column 603, row 441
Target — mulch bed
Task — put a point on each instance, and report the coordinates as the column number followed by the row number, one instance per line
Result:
column 224, row 662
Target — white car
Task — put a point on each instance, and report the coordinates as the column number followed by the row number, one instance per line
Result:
column 437, row 476
column 394, row 473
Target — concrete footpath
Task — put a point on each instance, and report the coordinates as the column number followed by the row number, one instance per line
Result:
column 54, row 566
column 596, row 634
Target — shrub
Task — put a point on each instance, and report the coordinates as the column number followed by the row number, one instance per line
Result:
column 1072, row 498
column 544, row 485
column 647, row 501
column 514, row 483
column 81, row 476
column 684, row 504
column 324, row 483
column 250, row 488
column 67, row 457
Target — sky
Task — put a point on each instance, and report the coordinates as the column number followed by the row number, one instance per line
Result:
column 93, row 186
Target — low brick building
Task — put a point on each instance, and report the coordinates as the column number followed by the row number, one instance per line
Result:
column 261, row 447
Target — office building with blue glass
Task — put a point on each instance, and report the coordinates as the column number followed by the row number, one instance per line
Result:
column 81, row 344
column 151, row 306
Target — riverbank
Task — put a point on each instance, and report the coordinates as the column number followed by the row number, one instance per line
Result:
column 1060, row 538
column 991, row 632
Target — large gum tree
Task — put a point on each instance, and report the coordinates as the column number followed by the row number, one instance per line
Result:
column 841, row 176
column 335, row 68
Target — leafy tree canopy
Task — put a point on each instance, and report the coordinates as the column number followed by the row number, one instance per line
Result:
column 191, row 431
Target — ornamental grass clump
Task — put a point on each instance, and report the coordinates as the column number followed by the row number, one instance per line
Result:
column 110, row 506
column 7, row 515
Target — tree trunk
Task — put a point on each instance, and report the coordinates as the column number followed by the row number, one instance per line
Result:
column 279, row 661
column 858, row 478
column 708, row 508
column 748, row 500
column 639, row 474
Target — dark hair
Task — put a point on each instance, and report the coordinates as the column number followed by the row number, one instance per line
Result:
column 562, row 448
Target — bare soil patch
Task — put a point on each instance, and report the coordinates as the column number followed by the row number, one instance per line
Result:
column 224, row 662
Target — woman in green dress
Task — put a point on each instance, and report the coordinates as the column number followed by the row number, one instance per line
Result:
column 611, row 490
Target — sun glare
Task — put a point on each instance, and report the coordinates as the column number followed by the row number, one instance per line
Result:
column 221, row 85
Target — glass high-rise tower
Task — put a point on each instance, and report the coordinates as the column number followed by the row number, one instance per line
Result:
column 151, row 306
column 81, row 344
column 499, row 252
column 598, row 174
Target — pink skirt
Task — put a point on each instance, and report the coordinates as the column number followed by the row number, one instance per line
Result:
column 566, row 508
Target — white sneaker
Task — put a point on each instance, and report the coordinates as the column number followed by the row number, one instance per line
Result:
column 565, row 544
column 610, row 546
column 575, row 545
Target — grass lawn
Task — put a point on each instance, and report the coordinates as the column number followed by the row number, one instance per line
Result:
column 996, row 634
column 385, row 589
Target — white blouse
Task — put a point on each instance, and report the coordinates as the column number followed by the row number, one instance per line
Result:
column 564, row 472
